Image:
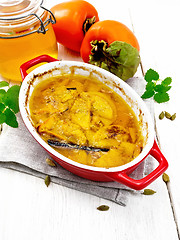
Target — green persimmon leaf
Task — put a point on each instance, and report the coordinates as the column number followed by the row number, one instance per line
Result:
column 162, row 88
column 148, row 94
column 118, row 72
column 119, row 58
column 151, row 75
column 161, row 97
column 4, row 84
column 167, row 81
column 10, row 118
column 104, row 66
column 11, row 98
column 114, row 48
column 126, row 54
column 127, row 72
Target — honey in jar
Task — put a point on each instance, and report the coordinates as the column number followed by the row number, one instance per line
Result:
column 25, row 32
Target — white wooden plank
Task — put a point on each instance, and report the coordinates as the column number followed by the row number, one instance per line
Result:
column 30, row 210
column 159, row 36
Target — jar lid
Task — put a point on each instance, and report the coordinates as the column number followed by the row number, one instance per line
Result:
column 16, row 9
column 19, row 18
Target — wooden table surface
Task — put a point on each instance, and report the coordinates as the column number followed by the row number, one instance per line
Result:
column 29, row 210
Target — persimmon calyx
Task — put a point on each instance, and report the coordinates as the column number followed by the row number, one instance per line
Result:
column 119, row 58
column 88, row 23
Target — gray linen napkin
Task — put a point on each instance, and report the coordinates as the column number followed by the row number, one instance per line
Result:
column 19, row 151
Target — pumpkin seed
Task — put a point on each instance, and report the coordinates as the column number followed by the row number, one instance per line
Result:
column 161, row 115
column 165, row 177
column 148, row 191
column 47, row 180
column 173, row 116
column 50, row 162
column 167, row 115
column 103, row 208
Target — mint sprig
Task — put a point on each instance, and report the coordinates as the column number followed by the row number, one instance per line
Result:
column 155, row 87
column 9, row 105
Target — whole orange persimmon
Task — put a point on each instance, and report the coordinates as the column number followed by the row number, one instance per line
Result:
column 73, row 19
column 108, row 31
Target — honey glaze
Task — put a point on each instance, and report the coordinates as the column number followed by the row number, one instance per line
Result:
column 92, row 123
column 25, row 32
column 14, row 52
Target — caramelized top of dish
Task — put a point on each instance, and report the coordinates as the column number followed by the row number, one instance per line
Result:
column 86, row 121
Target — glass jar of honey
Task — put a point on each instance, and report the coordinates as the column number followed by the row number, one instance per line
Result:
column 25, row 32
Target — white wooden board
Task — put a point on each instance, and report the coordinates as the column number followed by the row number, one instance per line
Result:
column 30, row 210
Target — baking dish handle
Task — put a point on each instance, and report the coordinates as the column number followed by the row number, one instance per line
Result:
column 40, row 59
column 139, row 184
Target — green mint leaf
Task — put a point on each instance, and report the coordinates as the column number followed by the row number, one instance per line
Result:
column 162, row 88
column 158, row 91
column 10, row 118
column 2, row 107
column 151, row 75
column 4, row 84
column 9, row 105
column 148, row 94
column 119, row 58
column 11, row 98
column 2, row 93
column 150, row 86
column 2, row 118
column 167, row 81
column 161, row 97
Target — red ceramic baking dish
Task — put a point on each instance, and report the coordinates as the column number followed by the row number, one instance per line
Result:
column 53, row 67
